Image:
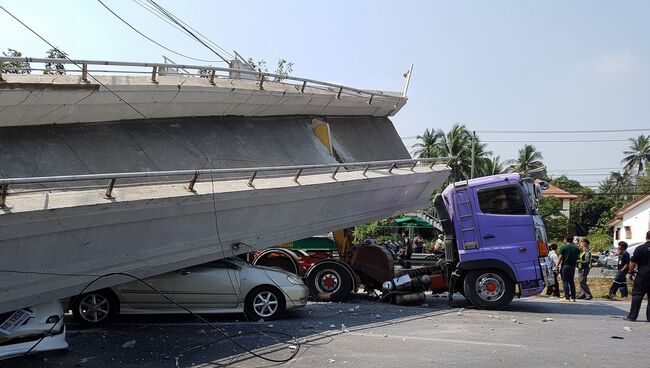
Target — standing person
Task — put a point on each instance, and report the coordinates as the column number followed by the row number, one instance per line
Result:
column 641, row 261
column 584, row 265
column 620, row 281
column 566, row 262
column 407, row 248
column 554, row 289
column 418, row 243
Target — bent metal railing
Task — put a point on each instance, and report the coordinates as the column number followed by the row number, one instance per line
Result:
column 204, row 71
column 112, row 178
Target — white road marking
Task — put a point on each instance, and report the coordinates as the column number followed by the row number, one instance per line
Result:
column 400, row 337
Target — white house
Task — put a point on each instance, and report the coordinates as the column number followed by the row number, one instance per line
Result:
column 632, row 221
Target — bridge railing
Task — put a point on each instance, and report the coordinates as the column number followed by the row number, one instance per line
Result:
column 194, row 175
column 89, row 67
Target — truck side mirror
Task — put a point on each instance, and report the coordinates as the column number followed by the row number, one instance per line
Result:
column 544, row 185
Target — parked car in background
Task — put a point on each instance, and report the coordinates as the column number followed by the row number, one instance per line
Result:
column 229, row 285
column 612, row 259
column 21, row 329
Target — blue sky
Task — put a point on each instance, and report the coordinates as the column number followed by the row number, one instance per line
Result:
column 492, row 65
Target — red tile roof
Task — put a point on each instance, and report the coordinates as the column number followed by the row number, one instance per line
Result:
column 556, row 192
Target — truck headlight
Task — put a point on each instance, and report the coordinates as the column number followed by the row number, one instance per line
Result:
column 294, row 280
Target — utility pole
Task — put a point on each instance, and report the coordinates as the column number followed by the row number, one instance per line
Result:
column 471, row 175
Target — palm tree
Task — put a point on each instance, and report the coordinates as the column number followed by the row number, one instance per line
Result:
column 494, row 166
column 638, row 154
column 618, row 185
column 456, row 143
column 528, row 159
column 427, row 147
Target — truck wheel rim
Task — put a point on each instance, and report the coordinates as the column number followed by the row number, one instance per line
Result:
column 490, row 287
column 265, row 304
column 328, row 281
column 94, row 307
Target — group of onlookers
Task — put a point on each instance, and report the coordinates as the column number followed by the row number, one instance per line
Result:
column 571, row 257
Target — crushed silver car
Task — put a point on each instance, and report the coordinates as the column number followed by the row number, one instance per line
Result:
column 228, row 285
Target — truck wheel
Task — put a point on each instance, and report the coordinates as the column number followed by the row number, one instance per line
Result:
column 329, row 282
column 488, row 289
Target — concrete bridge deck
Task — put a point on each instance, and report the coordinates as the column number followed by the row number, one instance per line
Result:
column 56, row 235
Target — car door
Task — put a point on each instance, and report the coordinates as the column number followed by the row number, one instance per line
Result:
column 212, row 285
column 507, row 228
column 140, row 296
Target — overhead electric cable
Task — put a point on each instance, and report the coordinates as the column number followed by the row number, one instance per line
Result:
column 555, row 141
column 178, row 22
column 565, row 131
column 150, row 8
column 152, row 40
column 226, row 52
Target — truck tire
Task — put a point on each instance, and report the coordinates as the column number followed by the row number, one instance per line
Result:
column 329, row 282
column 488, row 289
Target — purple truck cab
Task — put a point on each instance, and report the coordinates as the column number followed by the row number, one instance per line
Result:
column 495, row 242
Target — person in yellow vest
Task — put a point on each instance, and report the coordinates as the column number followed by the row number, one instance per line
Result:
column 584, row 265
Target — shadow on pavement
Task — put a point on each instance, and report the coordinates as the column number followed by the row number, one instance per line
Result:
column 183, row 341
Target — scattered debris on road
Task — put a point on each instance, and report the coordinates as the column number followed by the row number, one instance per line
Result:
column 129, row 344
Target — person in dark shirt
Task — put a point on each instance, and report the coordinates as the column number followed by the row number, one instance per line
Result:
column 620, row 281
column 640, row 261
column 418, row 243
column 568, row 259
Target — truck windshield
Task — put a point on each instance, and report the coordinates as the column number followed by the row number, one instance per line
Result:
column 501, row 201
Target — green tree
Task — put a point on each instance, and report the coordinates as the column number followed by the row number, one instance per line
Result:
column 600, row 239
column 643, row 182
column 528, row 159
column 482, row 161
column 457, row 143
column 493, row 167
column 55, row 68
column 556, row 223
column 570, row 185
column 586, row 214
column 14, row 67
column 427, row 145
column 284, row 68
column 638, row 154
column 618, row 185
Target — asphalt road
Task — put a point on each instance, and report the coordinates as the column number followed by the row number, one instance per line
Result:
column 375, row 335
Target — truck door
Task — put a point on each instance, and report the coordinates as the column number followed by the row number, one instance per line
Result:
column 507, row 228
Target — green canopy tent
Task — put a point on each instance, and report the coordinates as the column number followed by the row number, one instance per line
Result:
column 413, row 223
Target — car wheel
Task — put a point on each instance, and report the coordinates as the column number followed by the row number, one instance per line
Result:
column 488, row 289
column 95, row 308
column 329, row 282
column 264, row 302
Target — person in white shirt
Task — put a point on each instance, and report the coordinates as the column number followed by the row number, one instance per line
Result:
column 553, row 290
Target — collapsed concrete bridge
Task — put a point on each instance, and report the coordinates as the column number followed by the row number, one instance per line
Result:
column 220, row 166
